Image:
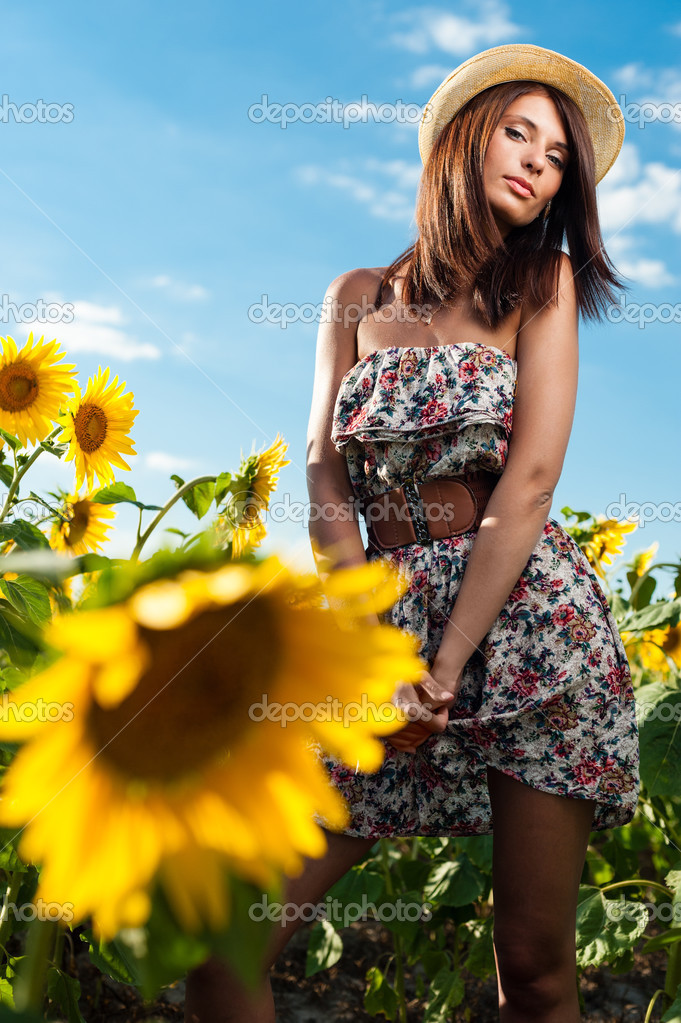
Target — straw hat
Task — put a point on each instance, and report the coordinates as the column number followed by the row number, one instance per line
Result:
column 515, row 61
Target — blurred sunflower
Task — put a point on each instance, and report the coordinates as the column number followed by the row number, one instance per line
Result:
column 84, row 525
column 96, row 427
column 32, row 387
column 654, row 646
column 606, row 540
column 642, row 560
column 242, row 522
column 168, row 757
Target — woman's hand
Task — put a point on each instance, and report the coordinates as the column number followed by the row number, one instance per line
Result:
column 427, row 705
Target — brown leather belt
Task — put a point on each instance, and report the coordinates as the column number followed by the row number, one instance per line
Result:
column 420, row 512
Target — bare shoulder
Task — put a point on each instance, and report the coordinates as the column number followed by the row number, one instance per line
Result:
column 347, row 300
column 547, row 354
column 554, row 324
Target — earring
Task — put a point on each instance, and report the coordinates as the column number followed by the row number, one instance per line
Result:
column 546, row 209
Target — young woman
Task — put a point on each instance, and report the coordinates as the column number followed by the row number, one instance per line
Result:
column 443, row 401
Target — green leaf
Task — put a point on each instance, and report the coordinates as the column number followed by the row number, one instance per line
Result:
column 115, row 493
column 25, row 534
column 644, row 593
column 18, row 638
column 6, row 992
column 659, row 721
column 121, row 493
column 447, row 990
column 29, row 597
column 663, row 612
column 673, row 1013
column 112, row 957
column 669, row 937
column 456, row 883
column 64, row 991
column 6, row 474
column 9, row 858
column 479, row 849
column 380, row 996
column 199, row 498
column 13, row 441
column 356, row 888
column 222, row 484
column 325, row 947
column 606, row 928
column 480, row 961
column 403, row 913
column 673, row 880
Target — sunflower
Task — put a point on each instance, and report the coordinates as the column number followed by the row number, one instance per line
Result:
column 606, row 540
column 96, row 427
column 84, row 525
column 255, row 484
column 32, row 387
column 167, row 756
column 654, row 647
column 642, row 560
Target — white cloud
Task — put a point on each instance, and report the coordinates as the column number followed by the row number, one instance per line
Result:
column 430, row 28
column 633, row 194
column 178, row 290
column 653, row 87
column 429, row 74
column 164, row 461
column 97, row 328
column 392, row 202
column 651, row 273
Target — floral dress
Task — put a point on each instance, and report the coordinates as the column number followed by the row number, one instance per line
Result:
column 547, row 697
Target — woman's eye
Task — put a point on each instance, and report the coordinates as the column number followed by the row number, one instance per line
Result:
column 558, row 162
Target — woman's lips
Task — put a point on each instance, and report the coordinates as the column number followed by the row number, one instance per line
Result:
column 517, row 187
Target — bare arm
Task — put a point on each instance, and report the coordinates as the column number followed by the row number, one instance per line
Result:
column 517, row 511
column 333, row 526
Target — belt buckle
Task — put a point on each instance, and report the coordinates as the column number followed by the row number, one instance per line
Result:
column 418, row 518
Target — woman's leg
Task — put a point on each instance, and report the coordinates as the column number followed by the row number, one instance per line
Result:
column 215, row 995
column 540, row 843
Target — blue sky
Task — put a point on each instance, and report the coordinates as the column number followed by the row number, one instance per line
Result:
column 163, row 214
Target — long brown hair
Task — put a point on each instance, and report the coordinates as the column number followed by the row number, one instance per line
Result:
column 459, row 247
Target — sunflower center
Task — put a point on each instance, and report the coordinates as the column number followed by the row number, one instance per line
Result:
column 191, row 704
column 90, row 425
column 76, row 527
column 18, row 387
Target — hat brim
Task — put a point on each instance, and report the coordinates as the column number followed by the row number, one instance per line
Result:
column 516, row 61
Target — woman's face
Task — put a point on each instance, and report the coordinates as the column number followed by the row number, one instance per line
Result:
column 536, row 152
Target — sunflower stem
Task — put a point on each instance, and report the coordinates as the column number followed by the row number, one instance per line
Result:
column 8, row 906
column 20, row 473
column 29, row 992
column 180, row 492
